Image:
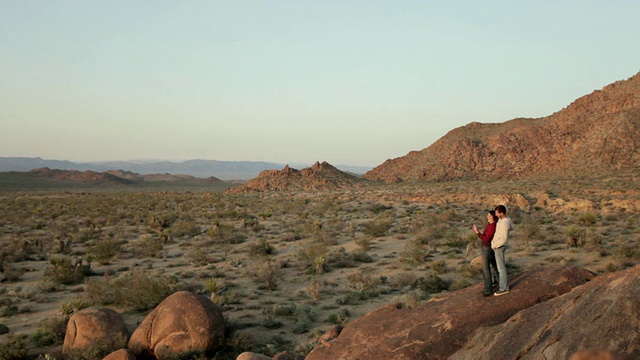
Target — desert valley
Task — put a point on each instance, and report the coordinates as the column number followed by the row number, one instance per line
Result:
column 318, row 263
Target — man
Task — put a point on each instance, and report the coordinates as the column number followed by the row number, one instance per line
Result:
column 499, row 246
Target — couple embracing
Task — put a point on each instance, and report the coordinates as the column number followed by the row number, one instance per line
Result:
column 494, row 244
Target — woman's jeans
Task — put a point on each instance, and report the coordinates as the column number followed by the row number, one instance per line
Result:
column 488, row 262
column 502, row 267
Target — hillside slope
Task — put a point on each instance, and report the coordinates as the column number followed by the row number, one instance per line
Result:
column 596, row 134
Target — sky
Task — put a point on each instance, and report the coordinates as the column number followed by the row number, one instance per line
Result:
column 292, row 81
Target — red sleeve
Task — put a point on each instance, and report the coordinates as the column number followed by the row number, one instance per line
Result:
column 487, row 234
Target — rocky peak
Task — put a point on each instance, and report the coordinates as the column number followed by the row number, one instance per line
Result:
column 320, row 176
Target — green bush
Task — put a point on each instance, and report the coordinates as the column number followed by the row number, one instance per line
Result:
column 62, row 271
column 377, row 228
column 105, row 250
column 13, row 347
column 51, row 331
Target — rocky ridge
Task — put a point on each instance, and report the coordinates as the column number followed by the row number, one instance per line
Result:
column 320, row 176
column 596, row 134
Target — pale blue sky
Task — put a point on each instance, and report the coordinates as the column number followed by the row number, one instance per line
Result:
column 348, row 82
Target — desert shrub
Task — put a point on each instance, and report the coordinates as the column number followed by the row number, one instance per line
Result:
column 430, row 283
column 588, row 218
column 198, row 255
column 147, row 247
column 62, row 271
column 12, row 273
column 575, row 235
column 439, row 267
column 160, row 221
column 305, row 316
column 410, row 300
column 284, row 309
column 364, row 243
column 363, row 280
column 66, row 308
column 51, row 331
column 414, row 252
column 313, row 258
column 267, row 272
column 531, row 231
column 185, row 228
column 143, row 291
column 261, row 247
column 377, row 228
column 226, row 234
column 360, row 256
column 341, row 317
column 13, row 347
column 104, row 250
column 378, row 208
column 269, row 321
column 459, row 284
column 351, row 298
column 137, row 290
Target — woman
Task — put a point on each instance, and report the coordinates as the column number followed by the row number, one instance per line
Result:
column 488, row 256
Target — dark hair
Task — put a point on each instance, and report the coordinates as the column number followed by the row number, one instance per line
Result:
column 501, row 209
column 493, row 215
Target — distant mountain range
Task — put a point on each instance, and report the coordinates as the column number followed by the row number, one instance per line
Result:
column 224, row 170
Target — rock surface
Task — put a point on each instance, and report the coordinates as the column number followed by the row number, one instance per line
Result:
column 183, row 323
column 121, row 354
column 438, row 328
column 603, row 314
column 95, row 328
column 597, row 133
column 252, row 356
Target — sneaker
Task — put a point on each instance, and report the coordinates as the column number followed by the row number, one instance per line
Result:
column 486, row 294
column 500, row 292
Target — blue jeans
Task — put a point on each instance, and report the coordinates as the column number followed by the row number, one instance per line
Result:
column 502, row 267
column 488, row 262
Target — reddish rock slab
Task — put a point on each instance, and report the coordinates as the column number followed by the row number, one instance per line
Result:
column 440, row 327
column 603, row 315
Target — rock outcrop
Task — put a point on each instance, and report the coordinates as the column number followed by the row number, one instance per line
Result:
column 603, row 314
column 440, row 327
column 92, row 328
column 184, row 323
column 320, row 176
column 596, row 134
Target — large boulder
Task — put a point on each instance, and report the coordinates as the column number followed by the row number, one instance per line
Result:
column 184, row 323
column 247, row 355
column 122, row 354
column 440, row 327
column 603, row 315
column 97, row 329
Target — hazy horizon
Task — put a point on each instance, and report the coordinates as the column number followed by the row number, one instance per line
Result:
column 352, row 83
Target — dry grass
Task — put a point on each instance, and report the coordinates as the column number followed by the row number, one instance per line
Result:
column 285, row 267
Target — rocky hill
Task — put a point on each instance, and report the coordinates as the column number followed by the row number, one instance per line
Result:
column 320, row 176
column 90, row 177
column 596, row 134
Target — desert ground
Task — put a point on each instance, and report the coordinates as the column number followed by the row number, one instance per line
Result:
column 285, row 266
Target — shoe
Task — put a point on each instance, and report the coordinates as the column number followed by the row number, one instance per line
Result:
column 501, row 292
column 486, row 294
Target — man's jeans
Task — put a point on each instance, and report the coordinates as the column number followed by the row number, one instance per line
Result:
column 502, row 267
column 488, row 262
